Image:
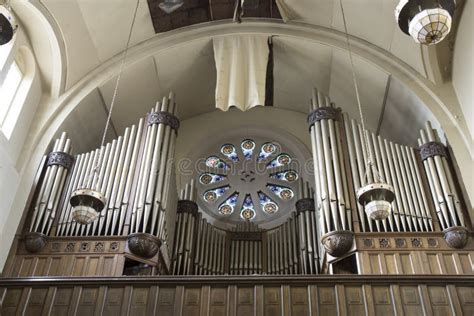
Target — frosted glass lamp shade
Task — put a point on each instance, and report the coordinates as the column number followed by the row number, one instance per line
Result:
column 426, row 21
column 430, row 26
column 377, row 200
column 86, row 205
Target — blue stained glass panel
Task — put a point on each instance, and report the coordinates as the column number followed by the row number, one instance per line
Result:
column 280, row 160
column 227, row 207
column 229, row 151
column 214, row 194
column 289, row 176
column 248, row 146
column 283, row 193
column 216, row 162
column 266, row 150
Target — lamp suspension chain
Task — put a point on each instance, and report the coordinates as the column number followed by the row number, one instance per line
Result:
column 370, row 163
column 117, row 82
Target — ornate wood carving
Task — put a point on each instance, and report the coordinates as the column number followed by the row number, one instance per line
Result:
column 35, row 242
column 303, row 205
column 60, row 158
column 186, row 206
column 456, row 237
column 338, row 243
column 163, row 118
column 324, row 113
column 432, row 149
column 257, row 236
column 143, row 245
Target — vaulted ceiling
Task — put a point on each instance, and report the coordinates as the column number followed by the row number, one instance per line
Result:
column 95, row 31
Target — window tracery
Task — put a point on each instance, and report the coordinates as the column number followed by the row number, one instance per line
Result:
column 248, row 180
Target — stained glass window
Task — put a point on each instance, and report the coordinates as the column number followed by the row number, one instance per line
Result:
column 228, row 206
column 283, row 193
column 248, row 209
column 229, row 151
column 214, row 194
column 266, row 150
column 249, row 186
column 247, row 146
column 289, row 175
column 216, row 162
column 280, row 160
column 268, row 205
column 208, row 178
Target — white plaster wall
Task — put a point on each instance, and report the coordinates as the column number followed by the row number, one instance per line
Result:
column 463, row 65
column 10, row 152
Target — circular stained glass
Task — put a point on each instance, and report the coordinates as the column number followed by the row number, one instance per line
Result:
column 225, row 209
column 286, row 194
column 248, row 214
column 205, row 178
column 284, row 159
column 248, row 144
column 270, row 207
column 227, row 149
column 254, row 182
column 210, row 196
column 268, row 148
column 291, row 176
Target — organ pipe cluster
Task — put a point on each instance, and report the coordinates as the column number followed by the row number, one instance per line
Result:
column 332, row 193
column 247, row 250
column 117, row 161
column 397, row 165
column 442, row 187
column 58, row 164
column 151, row 195
column 186, row 221
column 307, row 220
column 146, row 148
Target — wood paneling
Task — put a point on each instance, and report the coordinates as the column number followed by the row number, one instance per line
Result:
column 392, row 295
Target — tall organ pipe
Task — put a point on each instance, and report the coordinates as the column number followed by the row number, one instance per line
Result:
column 442, row 188
column 58, row 165
column 398, row 167
column 330, row 175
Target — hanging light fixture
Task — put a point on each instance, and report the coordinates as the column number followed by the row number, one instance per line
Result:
column 427, row 21
column 169, row 6
column 8, row 24
column 376, row 196
column 88, row 202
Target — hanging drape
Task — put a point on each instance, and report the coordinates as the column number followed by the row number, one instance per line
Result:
column 241, row 64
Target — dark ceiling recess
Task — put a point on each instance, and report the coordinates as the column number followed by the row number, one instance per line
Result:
column 200, row 11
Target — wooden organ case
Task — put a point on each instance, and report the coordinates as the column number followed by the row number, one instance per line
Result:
column 328, row 257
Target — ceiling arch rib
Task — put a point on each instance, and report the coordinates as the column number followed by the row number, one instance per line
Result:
column 422, row 88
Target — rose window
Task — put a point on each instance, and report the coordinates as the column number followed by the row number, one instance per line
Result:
column 252, row 180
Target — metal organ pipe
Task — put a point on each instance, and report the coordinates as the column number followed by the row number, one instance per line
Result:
column 441, row 183
column 58, row 165
column 133, row 169
column 397, row 165
column 330, row 174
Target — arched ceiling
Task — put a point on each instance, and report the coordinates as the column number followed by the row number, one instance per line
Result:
column 95, row 32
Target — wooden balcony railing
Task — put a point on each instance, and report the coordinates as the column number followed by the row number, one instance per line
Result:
column 233, row 295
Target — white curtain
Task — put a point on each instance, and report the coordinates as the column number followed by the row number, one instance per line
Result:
column 241, row 63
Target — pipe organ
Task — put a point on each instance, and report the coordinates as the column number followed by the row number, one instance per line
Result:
column 147, row 226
